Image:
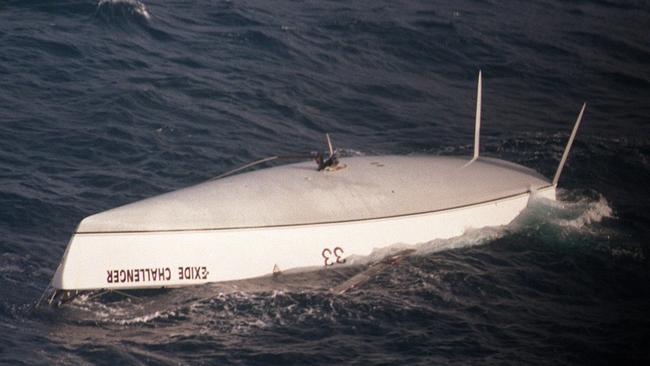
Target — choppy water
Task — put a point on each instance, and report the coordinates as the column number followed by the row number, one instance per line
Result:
column 106, row 102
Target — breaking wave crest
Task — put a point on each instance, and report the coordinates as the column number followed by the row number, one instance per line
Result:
column 120, row 10
column 572, row 210
column 589, row 212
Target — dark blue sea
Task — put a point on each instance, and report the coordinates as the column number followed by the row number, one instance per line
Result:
column 107, row 102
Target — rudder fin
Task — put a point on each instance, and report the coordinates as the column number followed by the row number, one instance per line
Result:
column 565, row 155
column 477, row 126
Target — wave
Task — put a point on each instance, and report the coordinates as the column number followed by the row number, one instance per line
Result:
column 119, row 10
column 588, row 212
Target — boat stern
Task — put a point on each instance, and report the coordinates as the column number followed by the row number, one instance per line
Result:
column 61, row 279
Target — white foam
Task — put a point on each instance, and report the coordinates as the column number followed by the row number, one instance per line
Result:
column 137, row 6
column 589, row 212
column 470, row 238
column 144, row 318
column 11, row 268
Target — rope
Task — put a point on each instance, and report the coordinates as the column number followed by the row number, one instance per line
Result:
column 261, row 161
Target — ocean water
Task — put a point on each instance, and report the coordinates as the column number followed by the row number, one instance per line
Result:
column 106, row 102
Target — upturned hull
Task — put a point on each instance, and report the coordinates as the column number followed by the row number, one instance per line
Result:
column 155, row 259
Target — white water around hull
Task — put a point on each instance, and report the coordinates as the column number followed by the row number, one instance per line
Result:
column 112, row 252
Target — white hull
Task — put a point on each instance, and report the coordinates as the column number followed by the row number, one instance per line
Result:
column 185, row 257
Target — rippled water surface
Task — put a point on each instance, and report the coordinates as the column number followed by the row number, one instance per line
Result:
column 107, row 102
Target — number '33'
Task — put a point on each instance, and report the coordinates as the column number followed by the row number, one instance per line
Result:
column 333, row 256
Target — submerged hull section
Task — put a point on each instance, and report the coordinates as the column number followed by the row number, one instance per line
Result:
column 276, row 219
